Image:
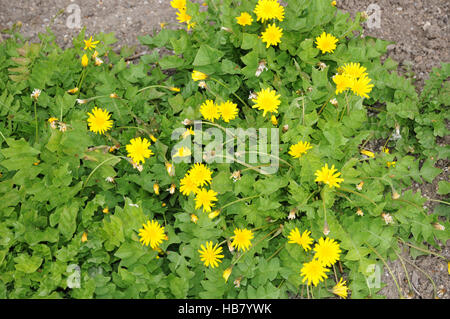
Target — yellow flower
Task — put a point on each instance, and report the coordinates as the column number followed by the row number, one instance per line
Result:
column 361, row 86
column 182, row 152
column 170, row 169
column 242, row 239
column 205, row 198
column 178, row 4
column 188, row 185
column 354, row 70
column 340, row 289
column 72, row 91
column 182, row 16
column 327, row 251
column 333, row 3
column 389, row 164
column 267, row 100
column 343, row 82
column 385, row 150
column 226, row 274
column 272, row 35
column 368, row 153
column 210, row 255
column 303, row 240
column 214, row 214
column 201, row 174
column 156, row 188
column 297, row 150
column 210, row 111
column 194, row 218
column 198, row 76
column 172, row 189
column 94, row 55
column 99, row 121
column 138, row 150
column 84, row 61
column 228, row 110
column 244, row 19
column 162, row 25
column 274, row 120
column 268, row 10
column 52, row 119
column 313, row 272
column 105, row 210
column 175, row 89
column 89, row 44
column 326, row 42
column 152, row 233
column 188, row 132
column 329, row 176
column 84, row 237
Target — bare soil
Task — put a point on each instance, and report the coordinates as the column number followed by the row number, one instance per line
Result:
column 420, row 30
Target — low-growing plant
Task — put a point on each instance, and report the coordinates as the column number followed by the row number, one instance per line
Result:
column 123, row 180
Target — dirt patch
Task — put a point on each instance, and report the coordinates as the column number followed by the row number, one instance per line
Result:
column 419, row 28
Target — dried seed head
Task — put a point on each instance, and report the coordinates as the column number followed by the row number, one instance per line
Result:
column 359, row 212
column 186, row 122
column 395, row 195
column 292, row 213
column 438, row 226
column 236, row 175
column 334, row 102
column 326, row 229
column 285, row 128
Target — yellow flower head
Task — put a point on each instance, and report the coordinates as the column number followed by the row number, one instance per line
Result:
column 329, row 176
column 226, row 274
column 210, row 255
column 178, row 4
column 268, row 10
column 182, row 152
column 198, row 76
column 326, row 42
column 84, row 61
column 389, row 164
column 152, row 233
column 188, row 185
column 205, row 198
column 368, row 153
column 99, row 121
column 200, row 174
column 327, row 251
column 362, row 87
column 333, row 3
column 244, row 19
column 272, row 35
column 156, row 188
column 182, row 16
column 340, row 289
column 210, row 111
column 52, row 119
column 72, row 91
column 138, row 150
column 89, row 44
column 194, row 218
column 228, row 110
column 274, row 120
column 354, row 70
column 84, row 237
column 343, row 82
column 188, row 132
column 303, row 240
column 313, row 272
column 267, row 100
column 175, row 89
column 170, row 168
column 297, row 150
column 242, row 239
column 214, row 214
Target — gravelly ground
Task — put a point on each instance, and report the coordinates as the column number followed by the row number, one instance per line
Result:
column 419, row 28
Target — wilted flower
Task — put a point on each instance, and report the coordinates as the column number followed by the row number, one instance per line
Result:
column 227, row 273
column 438, row 226
column 171, row 189
column 84, row 237
column 194, row 218
column 292, row 213
column 395, row 195
column 73, row 91
column 359, row 212
column 236, row 175
column 62, row 126
column 322, row 66
column 360, row 186
column 109, row 179
column 261, row 68
column 35, row 94
column 334, row 102
column 156, row 188
column 80, row 101
column 202, row 84
column 387, row 218
column 214, row 214
column 170, row 169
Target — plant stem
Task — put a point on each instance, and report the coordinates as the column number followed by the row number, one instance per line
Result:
column 36, row 122
column 237, row 201
column 227, row 87
column 422, row 249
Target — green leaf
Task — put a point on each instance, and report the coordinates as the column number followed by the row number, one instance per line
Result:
column 207, row 55
column 27, row 264
column 429, row 172
column 444, row 188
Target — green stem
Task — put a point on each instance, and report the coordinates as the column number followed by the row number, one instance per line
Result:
column 227, row 87
column 358, row 194
column 36, row 122
column 389, row 269
column 239, row 200
column 95, row 169
column 405, row 270
column 422, row 249
column 154, row 86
